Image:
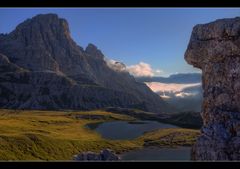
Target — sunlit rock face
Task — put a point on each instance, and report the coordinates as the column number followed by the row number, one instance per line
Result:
column 215, row 49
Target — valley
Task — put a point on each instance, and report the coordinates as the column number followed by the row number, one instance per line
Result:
column 59, row 99
column 59, row 135
column 119, row 84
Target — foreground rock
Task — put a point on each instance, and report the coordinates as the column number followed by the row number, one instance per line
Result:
column 104, row 155
column 41, row 67
column 215, row 49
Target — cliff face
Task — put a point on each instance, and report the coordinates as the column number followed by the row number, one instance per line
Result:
column 215, row 49
column 41, row 67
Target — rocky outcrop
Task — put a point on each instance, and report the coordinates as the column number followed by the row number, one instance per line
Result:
column 104, row 155
column 41, row 67
column 215, row 49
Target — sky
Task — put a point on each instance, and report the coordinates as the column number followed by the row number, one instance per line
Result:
column 149, row 39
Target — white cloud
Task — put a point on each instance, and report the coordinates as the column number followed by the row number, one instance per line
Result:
column 143, row 69
column 115, row 65
column 184, row 94
column 169, row 87
column 168, row 90
column 138, row 70
column 159, row 71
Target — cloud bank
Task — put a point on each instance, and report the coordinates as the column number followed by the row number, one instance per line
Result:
column 166, row 90
column 169, row 87
column 141, row 69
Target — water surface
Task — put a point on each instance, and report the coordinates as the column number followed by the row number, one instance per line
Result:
column 155, row 153
column 123, row 130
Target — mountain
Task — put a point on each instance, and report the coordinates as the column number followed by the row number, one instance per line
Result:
column 189, row 99
column 182, row 91
column 41, row 67
column 180, row 78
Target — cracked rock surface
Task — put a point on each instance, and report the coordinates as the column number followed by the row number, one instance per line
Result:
column 215, row 49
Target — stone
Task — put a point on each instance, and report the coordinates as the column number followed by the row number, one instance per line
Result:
column 92, row 50
column 215, row 49
column 104, row 155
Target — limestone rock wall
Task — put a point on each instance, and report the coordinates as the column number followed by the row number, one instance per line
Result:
column 215, row 49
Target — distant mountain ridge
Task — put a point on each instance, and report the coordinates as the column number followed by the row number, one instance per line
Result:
column 41, row 67
column 182, row 91
column 180, row 78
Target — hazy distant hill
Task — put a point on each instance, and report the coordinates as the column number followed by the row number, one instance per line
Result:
column 181, row 78
column 189, row 99
column 182, row 91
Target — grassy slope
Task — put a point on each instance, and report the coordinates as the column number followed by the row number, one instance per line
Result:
column 34, row 135
column 51, row 135
column 169, row 137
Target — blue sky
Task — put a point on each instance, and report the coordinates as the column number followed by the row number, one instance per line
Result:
column 156, row 36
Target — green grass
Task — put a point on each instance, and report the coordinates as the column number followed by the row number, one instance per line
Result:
column 49, row 135
column 58, row 135
column 170, row 137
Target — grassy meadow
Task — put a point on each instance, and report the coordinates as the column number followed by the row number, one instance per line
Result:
column 58, row 135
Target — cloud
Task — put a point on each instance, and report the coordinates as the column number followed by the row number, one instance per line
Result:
column 169, row 90
column 143, row 69
column 169, row 87
column 184, row 94
column 115, row 65
column 159, row 71
column 139, row 70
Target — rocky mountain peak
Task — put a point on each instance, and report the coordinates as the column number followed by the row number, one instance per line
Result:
column 43, row 68
column 92, row 50
column 40, row 43
column 48, row 24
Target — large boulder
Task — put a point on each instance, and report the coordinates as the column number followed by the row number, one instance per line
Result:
column 215, row 49
column 104, row 155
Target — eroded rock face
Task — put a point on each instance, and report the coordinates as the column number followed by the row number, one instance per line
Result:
column 215, row 49
column 41, row 67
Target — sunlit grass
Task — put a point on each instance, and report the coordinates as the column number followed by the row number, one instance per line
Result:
column 50, row 135
column 170, row 137
column 58, row 135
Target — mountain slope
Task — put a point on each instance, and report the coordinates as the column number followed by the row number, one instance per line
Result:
column 41, row 67
column 182, row 91
column 180, row 78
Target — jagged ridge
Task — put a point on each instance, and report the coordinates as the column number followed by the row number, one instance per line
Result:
column 48, row 70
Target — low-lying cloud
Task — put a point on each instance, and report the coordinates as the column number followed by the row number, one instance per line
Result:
column 169, row 87
column 141, row 69
column 115, row 65
column 168, row 90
